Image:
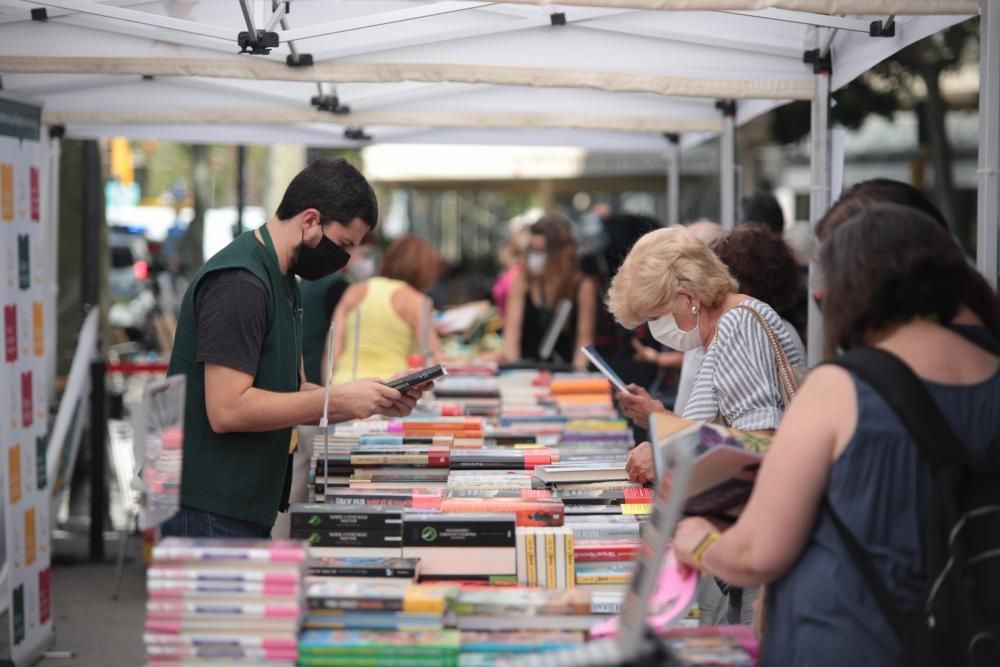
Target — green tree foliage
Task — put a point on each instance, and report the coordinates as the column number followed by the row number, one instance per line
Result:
column 909, row 79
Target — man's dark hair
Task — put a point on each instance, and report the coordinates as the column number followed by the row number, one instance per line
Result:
column 761, row 208
column 334, row 188
column 762, row 264
column 885, row 266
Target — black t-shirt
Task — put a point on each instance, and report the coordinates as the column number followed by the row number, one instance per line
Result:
column 231, row 310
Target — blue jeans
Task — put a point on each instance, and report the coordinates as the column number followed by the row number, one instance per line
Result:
column 190, row 522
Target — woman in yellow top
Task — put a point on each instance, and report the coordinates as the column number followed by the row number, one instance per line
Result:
column 383, row 317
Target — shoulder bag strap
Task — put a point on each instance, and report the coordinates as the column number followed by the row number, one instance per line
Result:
column 785, row 374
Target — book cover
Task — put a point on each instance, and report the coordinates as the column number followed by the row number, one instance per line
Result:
column 268, row 551
column 537, row 512
column 391, row 568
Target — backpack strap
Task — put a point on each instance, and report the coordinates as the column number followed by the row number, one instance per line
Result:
column 908, row 397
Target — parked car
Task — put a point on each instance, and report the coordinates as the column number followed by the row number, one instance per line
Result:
column 132, row 298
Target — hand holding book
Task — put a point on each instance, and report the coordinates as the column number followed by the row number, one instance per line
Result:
column 639, row 464
column 638, row 405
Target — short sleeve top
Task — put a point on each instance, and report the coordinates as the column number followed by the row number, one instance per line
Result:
column 738, row 379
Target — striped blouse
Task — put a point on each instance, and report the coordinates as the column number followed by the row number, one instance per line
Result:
column 738, row 379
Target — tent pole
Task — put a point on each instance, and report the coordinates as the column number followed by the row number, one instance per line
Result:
column 819, row 199
column 241, row 187
column 988, row 227
column 51, row 218
column 727, row 164
column 673, row 179
column 94, row 235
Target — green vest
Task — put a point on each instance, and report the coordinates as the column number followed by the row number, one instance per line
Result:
column 316, row 324
column 240, row 475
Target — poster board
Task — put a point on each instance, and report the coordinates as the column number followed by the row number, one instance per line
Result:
column 24, row 294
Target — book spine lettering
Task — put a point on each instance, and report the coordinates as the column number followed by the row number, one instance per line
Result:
column 550, row 559
column 570, row 558
column 531, row 557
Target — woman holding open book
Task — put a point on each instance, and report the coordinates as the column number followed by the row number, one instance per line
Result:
column 845, row 511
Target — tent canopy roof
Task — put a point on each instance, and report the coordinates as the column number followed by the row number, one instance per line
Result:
column 601, row 72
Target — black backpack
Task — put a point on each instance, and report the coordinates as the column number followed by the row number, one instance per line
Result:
column 959, row 623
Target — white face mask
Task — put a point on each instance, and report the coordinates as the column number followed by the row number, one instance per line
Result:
column 361, row 268
column 666, row 332
column 535, row 263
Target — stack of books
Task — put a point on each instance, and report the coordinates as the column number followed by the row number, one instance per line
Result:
column 233, row 601
column 719, row 646
column 388, row 622
column 546, row 557
column 605, row 548
column 336, row 530
column 361, row 569
column 492, row 480
column 489, row 648
column 582, row 395
column 462, row 546
column 364, row 648
column 599, row 498
column 394, row 603
column 522, row 609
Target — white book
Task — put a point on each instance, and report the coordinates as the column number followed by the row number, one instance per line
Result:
column 540, row 566
column 560, row 556
column 522, row 556
column 350, row 552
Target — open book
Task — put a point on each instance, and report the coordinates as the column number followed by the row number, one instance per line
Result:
column 725, row 465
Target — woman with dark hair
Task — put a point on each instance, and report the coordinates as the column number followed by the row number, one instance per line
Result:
column 551, row 275
column 894, row 278
column 976, row 319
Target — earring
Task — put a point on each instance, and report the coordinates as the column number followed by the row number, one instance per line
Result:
column 694, row 310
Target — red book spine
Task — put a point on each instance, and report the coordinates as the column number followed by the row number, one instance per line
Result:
column 638, row 495
column 595, row 552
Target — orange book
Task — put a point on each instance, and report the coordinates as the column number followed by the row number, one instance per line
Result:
column 580, row 386
column 583, row 399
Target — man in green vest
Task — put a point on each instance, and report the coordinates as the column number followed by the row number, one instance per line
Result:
column 239, row 343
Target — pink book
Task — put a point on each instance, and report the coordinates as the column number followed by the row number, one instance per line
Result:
column 675, row 591
column 174, row 549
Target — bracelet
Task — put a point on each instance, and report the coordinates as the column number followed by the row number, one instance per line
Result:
column 710, row 538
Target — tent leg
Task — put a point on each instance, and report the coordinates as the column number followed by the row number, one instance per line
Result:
column 673, row 179
column 988, row 234
column 51, row 218
column 727, row 165
column 819, row 202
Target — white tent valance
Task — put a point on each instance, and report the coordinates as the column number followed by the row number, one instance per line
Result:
column 257, row 69
column 832, row 7
column 431, row 120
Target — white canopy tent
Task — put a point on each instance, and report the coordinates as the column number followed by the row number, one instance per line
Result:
column 601, row 74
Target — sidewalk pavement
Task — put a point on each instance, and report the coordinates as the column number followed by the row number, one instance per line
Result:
column 99, row 631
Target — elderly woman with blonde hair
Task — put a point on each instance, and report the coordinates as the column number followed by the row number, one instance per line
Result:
column 674, row 282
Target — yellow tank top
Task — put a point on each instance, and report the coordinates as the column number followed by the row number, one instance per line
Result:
column 385, row 339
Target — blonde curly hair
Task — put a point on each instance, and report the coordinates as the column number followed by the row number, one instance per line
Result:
column 659, row 264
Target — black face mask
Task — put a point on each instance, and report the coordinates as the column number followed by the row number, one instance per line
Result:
column 315, row 263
